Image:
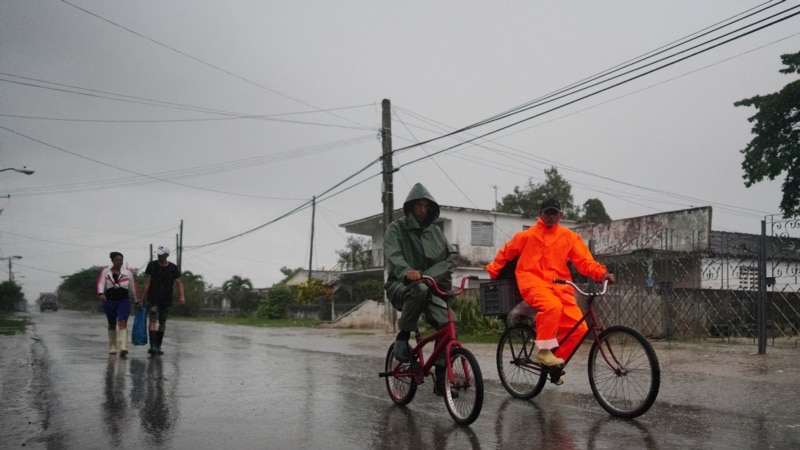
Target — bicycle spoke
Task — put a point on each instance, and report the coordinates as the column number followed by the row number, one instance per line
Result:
column 518, row 375
column 401, row 388
column 624, row 372
column 464, row 395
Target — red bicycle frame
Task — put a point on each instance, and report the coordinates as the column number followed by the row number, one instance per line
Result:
column 420, row 367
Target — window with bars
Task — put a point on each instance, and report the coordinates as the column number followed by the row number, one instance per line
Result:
column 482, row 233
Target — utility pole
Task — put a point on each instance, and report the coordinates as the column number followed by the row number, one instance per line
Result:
column 388, row 183
column 761, row 305
column 179, row 244
column 311, row 251
column 387, row 187
column 10, row 273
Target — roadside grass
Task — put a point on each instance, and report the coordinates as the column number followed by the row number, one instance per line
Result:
column 9, row 324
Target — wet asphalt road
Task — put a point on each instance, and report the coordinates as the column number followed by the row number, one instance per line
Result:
column 251, row 388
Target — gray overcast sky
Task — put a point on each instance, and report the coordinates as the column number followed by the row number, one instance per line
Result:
column 228, row 115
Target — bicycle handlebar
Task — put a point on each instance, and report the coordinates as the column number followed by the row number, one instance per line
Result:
column 581, row 291
column 433, row 284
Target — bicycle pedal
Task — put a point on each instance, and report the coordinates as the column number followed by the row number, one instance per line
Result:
column 557, row 375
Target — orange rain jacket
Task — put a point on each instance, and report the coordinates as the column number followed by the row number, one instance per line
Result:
column 543, row 255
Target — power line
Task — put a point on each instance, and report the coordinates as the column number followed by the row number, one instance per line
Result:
column 205, row 63
column 571, row 88
column 114, row 96
column 591, row 94
column 169, row 177
column 776, row 20
column 583, row 85
column 526, row 107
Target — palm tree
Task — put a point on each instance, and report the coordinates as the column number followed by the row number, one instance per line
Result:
column 238, row 290
column 195, row 292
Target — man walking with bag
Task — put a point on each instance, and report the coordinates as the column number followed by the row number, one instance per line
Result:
column 161, row 276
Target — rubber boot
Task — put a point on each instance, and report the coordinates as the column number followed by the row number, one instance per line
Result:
column 123, row 342
column 112, row 342
column 546, row 357
column 151, row 335
column 159, row 338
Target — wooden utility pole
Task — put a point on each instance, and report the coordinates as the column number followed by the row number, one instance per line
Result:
column 388, row 184
column 179, row 250
column 387, row 188
column 311, row 252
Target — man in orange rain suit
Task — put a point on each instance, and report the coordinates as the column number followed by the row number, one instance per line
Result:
column 543, row 251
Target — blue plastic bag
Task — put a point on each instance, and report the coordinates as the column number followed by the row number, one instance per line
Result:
column 139, row 333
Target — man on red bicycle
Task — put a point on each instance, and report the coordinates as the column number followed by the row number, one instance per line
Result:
column 543, row 252
column 414, row 246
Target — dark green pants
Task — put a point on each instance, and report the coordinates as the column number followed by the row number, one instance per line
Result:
column 416, row 299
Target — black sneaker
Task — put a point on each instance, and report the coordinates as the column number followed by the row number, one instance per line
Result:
column 158, row 351
column 402, row 352
column 151, row 351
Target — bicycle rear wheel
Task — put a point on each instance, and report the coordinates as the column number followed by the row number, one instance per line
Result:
column 464, row 395
column 623, row 372
column 515, row 367
column 401, row 389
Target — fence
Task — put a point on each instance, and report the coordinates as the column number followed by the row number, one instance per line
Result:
column 712, row 291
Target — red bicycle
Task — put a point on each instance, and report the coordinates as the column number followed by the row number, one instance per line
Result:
column 624, row 373
column 463, row 387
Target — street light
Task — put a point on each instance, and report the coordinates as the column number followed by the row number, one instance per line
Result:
column 10, row 258
column 24, row 170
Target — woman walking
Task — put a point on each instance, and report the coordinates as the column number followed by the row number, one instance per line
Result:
column 116, row 287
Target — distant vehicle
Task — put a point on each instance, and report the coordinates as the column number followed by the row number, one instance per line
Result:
column 47, row 301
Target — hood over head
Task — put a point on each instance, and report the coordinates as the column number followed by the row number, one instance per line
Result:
column 417, row 192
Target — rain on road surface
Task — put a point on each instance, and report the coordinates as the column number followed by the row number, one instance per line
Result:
column 221, row 386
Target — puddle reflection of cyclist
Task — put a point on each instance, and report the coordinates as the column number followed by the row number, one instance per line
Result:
column 552, row 430
column 414, row 247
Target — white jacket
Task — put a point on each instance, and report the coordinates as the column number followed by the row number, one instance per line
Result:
column 126, row 281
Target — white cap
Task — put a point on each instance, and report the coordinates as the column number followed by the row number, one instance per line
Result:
column 162, row 250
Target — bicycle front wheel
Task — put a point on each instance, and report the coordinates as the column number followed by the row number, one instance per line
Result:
column 401, row 389
column 464, row 394
column 515, row 367
column 623, row 372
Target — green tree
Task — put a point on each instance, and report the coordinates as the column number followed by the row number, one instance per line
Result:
column 368, row 290
column 775, row 149
column 194, row 289
column 520, row 201
column 79, row 290
column 311, row 291
column 274, row 307
column 526, row 201
column 357, row 254
column 289, row 273
column 10, row 293
column 240, row 292
column 594, row 212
